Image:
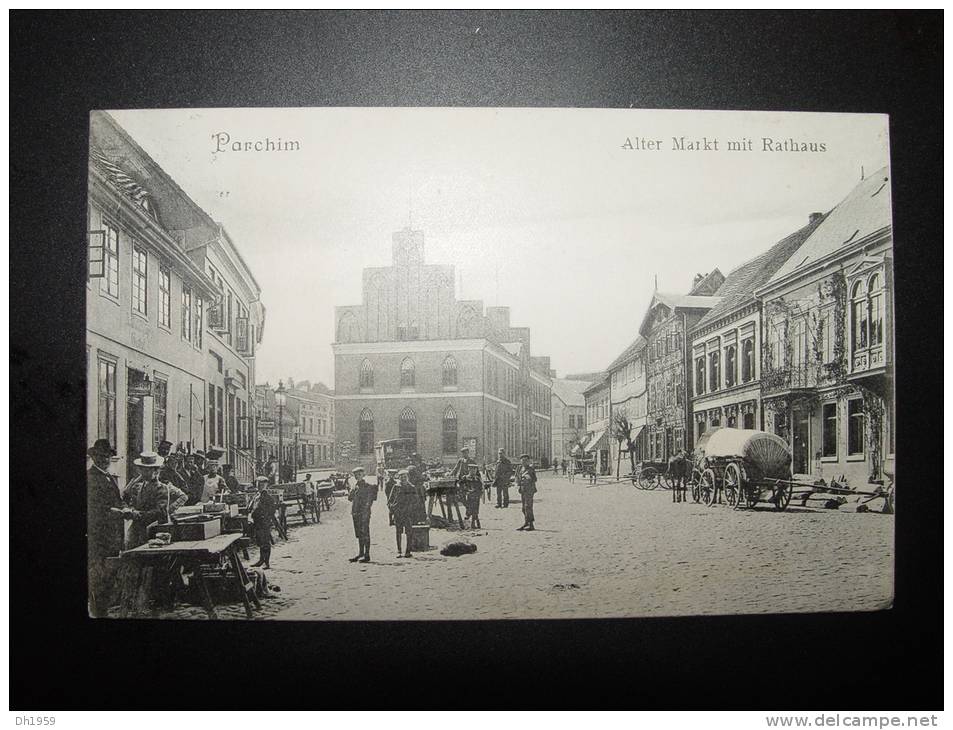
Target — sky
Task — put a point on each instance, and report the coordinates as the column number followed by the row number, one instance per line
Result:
column 543, row 210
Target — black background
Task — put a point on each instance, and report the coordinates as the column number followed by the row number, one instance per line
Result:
column 63, row 64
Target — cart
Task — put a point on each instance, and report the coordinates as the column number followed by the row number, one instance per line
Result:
column 742, row 467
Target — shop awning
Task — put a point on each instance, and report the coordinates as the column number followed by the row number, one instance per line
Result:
column 636, row 432
column 594, row 441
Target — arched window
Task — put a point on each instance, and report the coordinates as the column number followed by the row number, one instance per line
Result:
column 449, row 371
column 408, row 377
column 714, row 371
column 449, row 431
column 730, row 365
column 407, row 426
column 365, row 430
column 367, row 374
column 747, row 360
column 347, row 328
column 466, row 322
column 859, row 329
column 875, row 292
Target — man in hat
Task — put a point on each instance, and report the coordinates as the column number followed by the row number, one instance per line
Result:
column 389, row 484
column 231, row 481
column 362, row 496
column 104, row 526
column 271, row 470
column 151, row 500
column 214, row 481
column 501, row 479
column 195, row 478
column 418, row 477
column 402, row 502
column 473, row 489
column 262, row 513
column 526, row 480
column 459, row 473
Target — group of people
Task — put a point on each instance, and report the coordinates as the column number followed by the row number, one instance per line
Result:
column 405, row 493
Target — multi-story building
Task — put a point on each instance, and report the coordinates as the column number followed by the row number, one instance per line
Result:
column 827, row 328
column 568, row 416
column 412, row 361
column 149, row 342
column 665, row 328
column 726, row 342
column 629, row 398
column 312, row 408
column 266, row 417
column 598, row 423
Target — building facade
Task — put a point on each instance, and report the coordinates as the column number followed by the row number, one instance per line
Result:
column 598, row 423
column 149, row 339
column 568, row 416
column 665, row 328
column 827, row 331
column 726, row 343
column 629, row 398
column 311, row 406
column 412, row 361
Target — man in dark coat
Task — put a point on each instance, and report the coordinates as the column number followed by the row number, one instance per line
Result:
column 151, row 500
column 262, row 514
column 104, row 526
column 361, row 497
column 526, row 480
column 501, row 480
column 418, row 477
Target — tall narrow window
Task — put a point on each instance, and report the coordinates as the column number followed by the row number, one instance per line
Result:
column 731, row 365
column 450, row 371
column 699, row 376
column 365, row 428
column 220, row 415
column 747, row 360
column 829, row 427
column 165, row 297
column 407, row 426
column 159, row 401
column 855, row 427
column 876, row 311
column 714, row 371
column 367, row 375
column 107, row 401
column 407, row 374
column 140, row 280
column 449, row 431
column 859, row 329
column 199, row 317
column 112, row 260
column 186, row 313
column 211, row 413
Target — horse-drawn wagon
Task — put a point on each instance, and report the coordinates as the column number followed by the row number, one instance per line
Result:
column 743, row 467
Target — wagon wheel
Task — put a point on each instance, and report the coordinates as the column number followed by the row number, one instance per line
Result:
column 695, row 481
column 707, row 486
column 733, row 484
column 782, row 495
column 648, row 478
column 667, row 481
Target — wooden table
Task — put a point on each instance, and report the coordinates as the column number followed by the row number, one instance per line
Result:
column 195, row 554
column 444, row 492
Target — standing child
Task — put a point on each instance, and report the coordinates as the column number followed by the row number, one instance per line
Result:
column 262, row 513
column 473, row 491
column 362, row 497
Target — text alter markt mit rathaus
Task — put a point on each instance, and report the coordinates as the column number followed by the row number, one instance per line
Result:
column 713, row 144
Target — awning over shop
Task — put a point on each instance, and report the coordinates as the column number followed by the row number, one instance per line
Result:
column 595, row 441
column 636, row 432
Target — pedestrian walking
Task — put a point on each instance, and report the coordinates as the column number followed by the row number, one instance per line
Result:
column 402, row 503
column 389, row 484
column 362, row 496
column 572, row 471
column 262, row 513
column 526, row 479
column 555, row 468
column 501, row 479
column 104, row 526
column 563, row 464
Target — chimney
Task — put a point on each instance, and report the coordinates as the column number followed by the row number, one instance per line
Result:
column 814, row 217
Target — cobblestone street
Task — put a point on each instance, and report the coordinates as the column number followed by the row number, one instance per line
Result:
column 602, row 551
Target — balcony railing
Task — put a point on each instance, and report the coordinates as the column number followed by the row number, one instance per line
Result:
column 797, row 377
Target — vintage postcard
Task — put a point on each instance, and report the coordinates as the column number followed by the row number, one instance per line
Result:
column 428, row 363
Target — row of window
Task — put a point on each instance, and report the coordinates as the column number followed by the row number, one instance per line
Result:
column 628, row 373
column 406, row 429
column 408, row 373
column 867, row 313
column 711, row 366
column 855, row 428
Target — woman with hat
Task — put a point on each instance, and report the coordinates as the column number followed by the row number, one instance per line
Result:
column 151, row 500
column 262, row 513
column 402, row 502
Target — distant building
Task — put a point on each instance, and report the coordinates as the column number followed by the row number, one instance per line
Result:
column 413, row 361
column 568, row 416
column 628, row 396
column 312, row 408
column 598, row 412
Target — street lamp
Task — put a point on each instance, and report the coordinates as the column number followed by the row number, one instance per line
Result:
column 280, row 400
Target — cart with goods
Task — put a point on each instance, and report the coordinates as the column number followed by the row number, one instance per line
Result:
column 742, row 467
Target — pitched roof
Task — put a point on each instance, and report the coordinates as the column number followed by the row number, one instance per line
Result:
column 571, row 392
column 676, row 301
column 865, row 211
column 603, row 380
column 709, row 283
column 628, row 353
column 741, row 282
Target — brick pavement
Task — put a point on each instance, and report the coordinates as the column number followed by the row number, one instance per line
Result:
column 608, row 550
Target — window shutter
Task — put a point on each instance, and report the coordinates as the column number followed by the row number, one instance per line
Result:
column 96, row 246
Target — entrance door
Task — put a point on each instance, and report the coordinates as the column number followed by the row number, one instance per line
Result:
column 134, row 440
column 801, row 441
